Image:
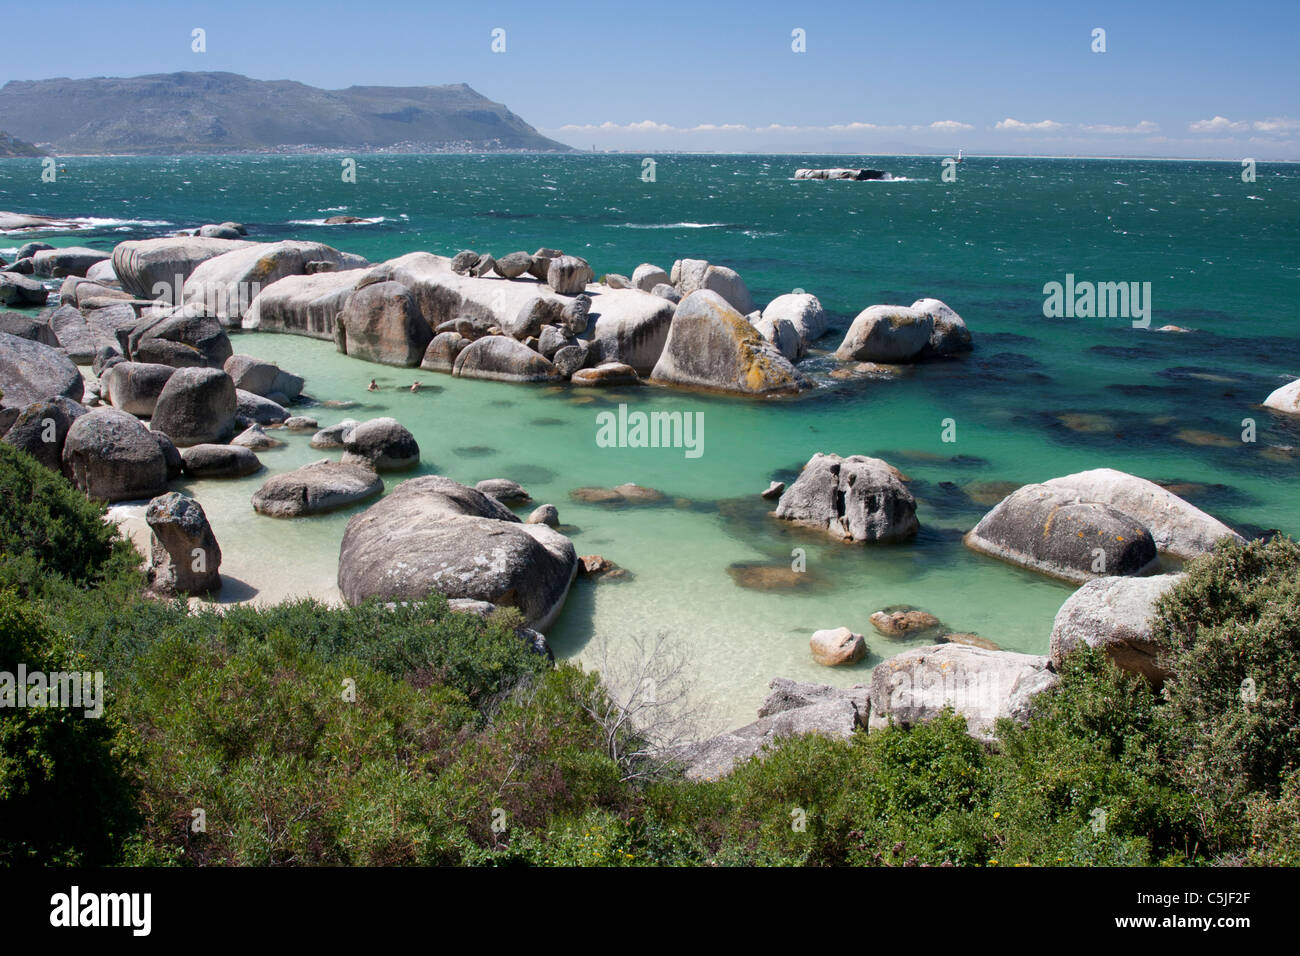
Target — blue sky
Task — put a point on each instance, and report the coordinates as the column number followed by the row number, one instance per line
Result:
column 1177, row 78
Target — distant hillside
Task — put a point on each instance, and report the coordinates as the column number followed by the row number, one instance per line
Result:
column 13, row 146
column 226, row 112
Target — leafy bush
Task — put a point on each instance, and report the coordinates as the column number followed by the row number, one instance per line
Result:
column 1232, row 627
column 1090, row 779
column 63, row 796
column 50, row 529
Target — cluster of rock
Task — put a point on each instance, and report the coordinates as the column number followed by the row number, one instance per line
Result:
column 858, row 175
column 522, row 317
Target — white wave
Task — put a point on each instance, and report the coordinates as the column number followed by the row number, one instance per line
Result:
column 322, row 222
column 670, row 225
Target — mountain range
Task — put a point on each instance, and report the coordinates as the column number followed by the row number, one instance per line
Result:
column 170, row 113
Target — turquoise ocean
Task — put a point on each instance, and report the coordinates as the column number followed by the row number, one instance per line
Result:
column 1039, row 397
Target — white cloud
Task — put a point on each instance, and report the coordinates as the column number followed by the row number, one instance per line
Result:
column 1220, row 124
column 1277, row 125
column 949, row 125
column 1016, row 125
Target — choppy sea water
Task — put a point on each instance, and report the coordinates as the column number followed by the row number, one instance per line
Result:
column 1038, row 398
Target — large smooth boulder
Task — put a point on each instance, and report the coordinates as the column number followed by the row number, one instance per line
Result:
column 158, row 268
column 316, row 488
column 950, row 334
column 801, row 310
column 886, row 333
column 31, row 372
column 569, row 275
column 42, row 428
column 1178, row 528
column 980, row 685
column 111, row 456
column 196, row 407
column 1115, row 614
column 383, row 444
column 647, row 275
column 711, row 346
column 857, row 499
column 434, row 534
column 629, row 326
column 792, row 709
column 17, row 289
column 219, row 461
column 70, row 261
column 134, row 387
column 303, row 304
column 1285, row 399
column 1053, row 531
column 381, row 322
column 727, row 283
column 184, row 557
column 226, row 285
column 503, row 359
column 182, row 338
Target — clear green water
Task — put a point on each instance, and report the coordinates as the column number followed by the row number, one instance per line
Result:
column 1220, row 262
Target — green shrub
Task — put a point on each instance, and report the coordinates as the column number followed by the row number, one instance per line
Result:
column 49, row 529
column 1089, row 780
column 64, row 798
column 1232, row 627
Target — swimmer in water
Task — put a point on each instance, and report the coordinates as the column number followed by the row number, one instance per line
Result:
column 373, row 386
column 415, row 386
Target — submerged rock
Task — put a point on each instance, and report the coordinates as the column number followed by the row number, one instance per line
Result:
column 904, row 622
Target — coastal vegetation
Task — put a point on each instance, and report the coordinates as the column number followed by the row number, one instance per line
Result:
column 409, row 734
